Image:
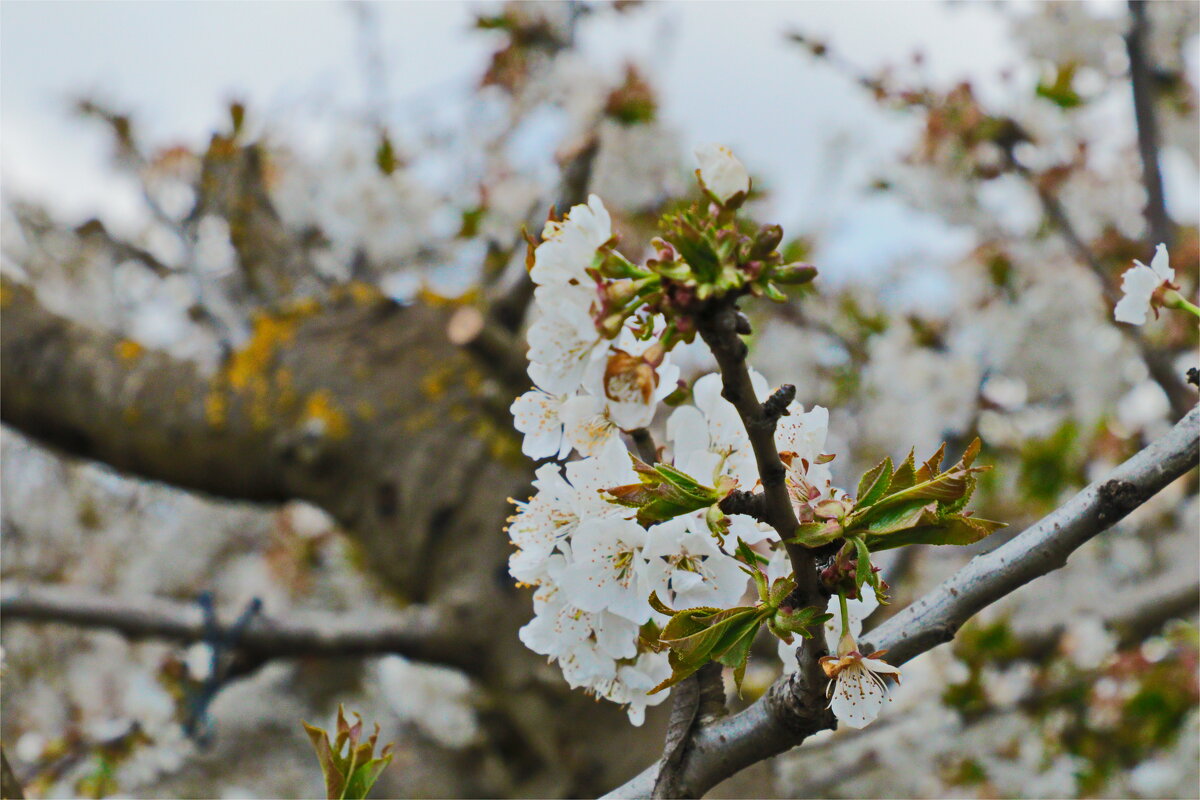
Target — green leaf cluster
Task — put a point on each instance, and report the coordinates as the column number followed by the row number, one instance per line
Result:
column 349, row 764
column 908, row 504
column 663, row 493
column 698, row 635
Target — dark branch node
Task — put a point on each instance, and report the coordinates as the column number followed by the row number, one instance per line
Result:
column 776, row 405
column 742, row 502
column 1118, row 498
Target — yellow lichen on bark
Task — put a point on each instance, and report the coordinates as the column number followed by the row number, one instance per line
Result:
column 319, row 407
column 216, row 408
column 129, row 350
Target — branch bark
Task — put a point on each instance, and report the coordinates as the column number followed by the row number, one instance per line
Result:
column 720, row 329
column 772, row 725
column 10, row 787
column 1141, row 79
column 420, row 633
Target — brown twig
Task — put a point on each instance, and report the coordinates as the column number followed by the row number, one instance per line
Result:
column 720, row 329
column 419, row 632
column 10, row 787
column 1141, row 79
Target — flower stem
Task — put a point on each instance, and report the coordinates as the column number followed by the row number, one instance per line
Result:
column 1186, row 306
column 845, row 612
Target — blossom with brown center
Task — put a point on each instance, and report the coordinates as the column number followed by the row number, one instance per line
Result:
column 856, row 688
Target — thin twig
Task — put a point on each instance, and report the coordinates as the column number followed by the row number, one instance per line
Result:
column 1141, row 79
column 419, row 632
column 643, row 440
column 1158, row 362
column 10, row 787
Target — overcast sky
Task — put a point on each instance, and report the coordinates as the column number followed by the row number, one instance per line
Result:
column 725, row 71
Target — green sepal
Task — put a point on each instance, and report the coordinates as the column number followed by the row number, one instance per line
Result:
column 815, row 534
column 784, row 624
column 958, row 529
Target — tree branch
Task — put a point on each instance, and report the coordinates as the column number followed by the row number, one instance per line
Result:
column 720, row 329
column 772, row 725
column 10, row 787
column 1141, row 79
column 419, row 632
column 1159, row 363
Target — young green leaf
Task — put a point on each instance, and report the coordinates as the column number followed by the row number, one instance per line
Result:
column 875, row 483
column 663, row 493
column 349, row 766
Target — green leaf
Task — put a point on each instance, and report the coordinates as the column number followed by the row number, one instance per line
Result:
column 663, row 493
column 786, row 623
column 863, row 573
column 882, row 521
column 697, row 252
column 815, row 534
column 874, row 484
column 945, row 487
column 708, row 638
column 951, row 529
column 352, row 773
column 930, row 468
column 364, row 777
column 780, row 591
column 905, row 475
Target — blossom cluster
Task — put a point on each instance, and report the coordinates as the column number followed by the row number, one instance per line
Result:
column 592, row 563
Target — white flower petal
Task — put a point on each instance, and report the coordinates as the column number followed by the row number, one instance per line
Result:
column 536, row 414
column 721, row 171
column 1138, row 283
column 857, row 696
column 587, row 424
column 1161, row 264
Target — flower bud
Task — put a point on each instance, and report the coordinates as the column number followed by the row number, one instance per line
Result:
column 794, row 274
column 768, row 238
column 720, row 173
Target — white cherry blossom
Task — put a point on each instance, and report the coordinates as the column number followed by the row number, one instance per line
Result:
column 607, row 573
column 687, row 569
column 721, row 172
column 713, row 426
column 1139, row 284
column 633, row 681
column 561, row 344
column 857, row 691
column 537, row 415
column 569, row 245
column 547, row 520
column 588, row 424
